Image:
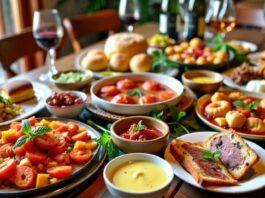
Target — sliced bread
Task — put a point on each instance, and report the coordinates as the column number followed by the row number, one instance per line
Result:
column 236, row 156
column 205, row 171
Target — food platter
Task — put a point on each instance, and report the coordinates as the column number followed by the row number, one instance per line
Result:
column 254, row 181
column 41, row 93
column 185, row 103
column 201, row 103
column 245, row 46
column 80, row 174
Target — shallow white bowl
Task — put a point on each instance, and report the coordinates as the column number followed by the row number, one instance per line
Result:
column 68, row 111
column 118, row 192
column 137, row 109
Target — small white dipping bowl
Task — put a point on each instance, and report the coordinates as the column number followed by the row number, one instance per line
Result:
column 118, row 192
column 137, row 109
column 68, row 111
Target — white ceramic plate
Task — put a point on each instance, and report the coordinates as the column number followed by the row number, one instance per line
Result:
column 252, row 47
column 41, row 93
column 199, row 108
column 254, row 182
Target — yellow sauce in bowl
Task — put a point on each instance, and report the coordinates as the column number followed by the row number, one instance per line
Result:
column 139, row 176
column 203, row 79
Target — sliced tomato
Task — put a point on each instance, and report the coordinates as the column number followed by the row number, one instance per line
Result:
column 126, row 84
column 25, row 177
column 83, row 136
column 33, row 121
column 81, row 156
column 35, row 157
column 148, row 99
column 72, row 127
column 151, row 85
column 60, row 172
column 61, row 147
column 47, row 141
column 7, row 168
column 6, row 150
column 136, row 135
column 16, row 125
column 19, row 134
column 123, row 99
column 62, row 128
column 109, row 90
column 25, row 147
column 59, row 158
column 166, row 95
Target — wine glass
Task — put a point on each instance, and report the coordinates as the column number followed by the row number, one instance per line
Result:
column 222, row 15
column 48, row 33
column 129, row 11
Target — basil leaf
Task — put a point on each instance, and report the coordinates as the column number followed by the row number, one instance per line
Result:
column 26, row 127
column 41, row 130
column 255, row 111
column 207, row 155
column 112, row 150
column 240, row 103
column 176, row 114
column 217, row 154
column 254, row 104
column 21, row 141
column 104, row 139
column 136, row 91
column 139, row 126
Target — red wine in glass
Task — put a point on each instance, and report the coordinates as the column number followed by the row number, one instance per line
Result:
column 129, row 19
column 47, row 38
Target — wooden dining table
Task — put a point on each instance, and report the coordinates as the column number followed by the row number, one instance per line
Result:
column 95, row 187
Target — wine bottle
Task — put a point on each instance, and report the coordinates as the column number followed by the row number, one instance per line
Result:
column 168, row 18
column 194, row 19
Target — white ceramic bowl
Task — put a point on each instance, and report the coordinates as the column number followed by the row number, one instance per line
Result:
column 137, row 109
column 118, row 192
column 68, row 111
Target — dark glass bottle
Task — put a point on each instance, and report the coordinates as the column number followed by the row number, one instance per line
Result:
column 195, row 19
column 168, row 18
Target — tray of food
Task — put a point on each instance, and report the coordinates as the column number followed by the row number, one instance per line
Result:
column 21, row 99
column 241, row 111
column 46, row 154
column 219, row 162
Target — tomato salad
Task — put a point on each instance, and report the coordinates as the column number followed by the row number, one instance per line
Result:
column 36, row 153
column 127, row 91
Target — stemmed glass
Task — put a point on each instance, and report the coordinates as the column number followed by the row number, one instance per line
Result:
column 129, row 12
column 222, row 15
column 48, row 32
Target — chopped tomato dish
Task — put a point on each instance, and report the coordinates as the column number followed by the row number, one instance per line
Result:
column 37, row 153
column 140, row 132
column 127, row 91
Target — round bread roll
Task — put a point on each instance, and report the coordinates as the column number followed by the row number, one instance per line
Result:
column 119, row 62
column 128, row 43
column 95, row 60
column 141, row 63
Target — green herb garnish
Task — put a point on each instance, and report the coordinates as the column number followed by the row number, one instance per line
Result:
column 139, row 126
column 252, row 107
column 29, row 133
column 211, row 155
column 136, row 91
column 106, row 141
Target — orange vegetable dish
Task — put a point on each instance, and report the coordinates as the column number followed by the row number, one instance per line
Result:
column 47, row 158
column 127, row 91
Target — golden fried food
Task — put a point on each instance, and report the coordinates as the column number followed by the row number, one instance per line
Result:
column 235, row 119
column 219, row 96
column 237, row 95
column 255, row 124
column 218, row 108
column 262, row 103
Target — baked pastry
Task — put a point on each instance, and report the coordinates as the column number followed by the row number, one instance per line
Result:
column 18, row 91
column 128, row 43
column 236, row 156
column 205, row 171
column 119, row 62
column 141, row 63
column 95, row 60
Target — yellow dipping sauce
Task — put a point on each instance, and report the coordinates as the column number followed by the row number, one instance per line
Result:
column 139, row 176
column 203, row 79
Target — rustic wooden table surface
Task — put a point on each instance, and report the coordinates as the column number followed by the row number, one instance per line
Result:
column 178, row 189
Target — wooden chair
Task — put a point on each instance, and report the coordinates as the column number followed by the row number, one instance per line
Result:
column 98, row 22
column 16, row 46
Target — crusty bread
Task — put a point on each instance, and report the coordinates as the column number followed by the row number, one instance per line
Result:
column 119, row 62
column 141, row 63
column 236, row 156
column 95, row 60
column 205, row 171
column 125, row 42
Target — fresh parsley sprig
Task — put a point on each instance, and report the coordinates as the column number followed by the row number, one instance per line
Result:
column 161, row 63
column 211, row 155
column 139, row 126
column 252, row 107
column 136, row 91
column 106, row 141
column 30, row 133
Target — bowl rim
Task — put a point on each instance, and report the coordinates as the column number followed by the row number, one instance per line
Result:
column 152, row 156
column 165, row 134
column 203, row 72
column 90, row 77
column 78, row 93
column 135, row 74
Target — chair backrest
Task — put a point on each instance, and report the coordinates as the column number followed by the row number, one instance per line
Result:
column 79, row 26
column 16, row 46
